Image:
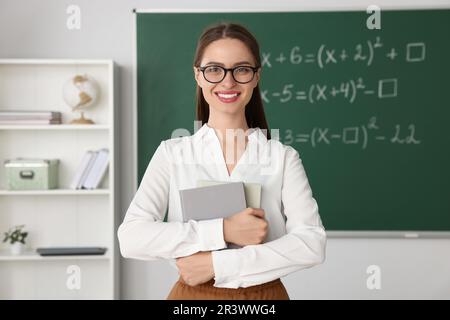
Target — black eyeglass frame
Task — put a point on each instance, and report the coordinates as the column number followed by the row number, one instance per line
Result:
column 254, row 69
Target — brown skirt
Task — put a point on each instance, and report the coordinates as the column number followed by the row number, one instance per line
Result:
column 273, row 290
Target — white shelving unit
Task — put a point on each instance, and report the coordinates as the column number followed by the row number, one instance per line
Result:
column 54, row 192
column 55, row 127
column 5, row 255
column 58, row 217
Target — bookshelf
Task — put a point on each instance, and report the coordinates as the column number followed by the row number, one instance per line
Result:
column 62, row 216
column 55, row 127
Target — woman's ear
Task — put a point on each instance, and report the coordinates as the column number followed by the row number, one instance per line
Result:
column 196, row 75
column 257, row 76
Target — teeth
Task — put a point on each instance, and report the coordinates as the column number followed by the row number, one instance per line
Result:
column 227, row 96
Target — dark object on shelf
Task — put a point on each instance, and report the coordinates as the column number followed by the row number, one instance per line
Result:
column 71, row 251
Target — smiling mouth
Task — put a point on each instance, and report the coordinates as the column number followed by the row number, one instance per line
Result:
column 227, row 95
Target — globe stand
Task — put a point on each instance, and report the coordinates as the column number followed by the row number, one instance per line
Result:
column 82, row 120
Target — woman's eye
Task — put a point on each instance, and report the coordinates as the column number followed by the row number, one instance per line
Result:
column 213, row 69
column 243, row 70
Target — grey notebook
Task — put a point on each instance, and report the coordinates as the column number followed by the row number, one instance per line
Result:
column 252, row 191
column 212, row 202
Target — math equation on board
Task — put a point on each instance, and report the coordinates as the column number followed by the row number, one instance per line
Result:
column 345, row 91
column 359, row 135
column 363, row 53
column 348, row 89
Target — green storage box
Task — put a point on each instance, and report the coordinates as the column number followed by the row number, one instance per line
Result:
column 32, row 174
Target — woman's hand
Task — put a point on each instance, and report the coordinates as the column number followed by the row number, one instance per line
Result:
column 243, row 228
column 196, row 269
column 246, row 227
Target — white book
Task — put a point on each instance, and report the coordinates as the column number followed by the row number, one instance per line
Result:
column 102, row 170
column 28, row 117
column 30, row 113
column 98, row 170
column 30, row 121
column 87, row 170
column 81, row 168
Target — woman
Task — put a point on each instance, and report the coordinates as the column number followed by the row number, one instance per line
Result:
column 283, row 236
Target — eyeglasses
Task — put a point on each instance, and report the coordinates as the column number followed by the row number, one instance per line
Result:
column 241, row 74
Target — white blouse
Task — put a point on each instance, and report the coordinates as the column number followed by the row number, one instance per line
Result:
column 296, row 237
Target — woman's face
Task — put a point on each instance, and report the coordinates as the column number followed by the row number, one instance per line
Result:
column 227, row 96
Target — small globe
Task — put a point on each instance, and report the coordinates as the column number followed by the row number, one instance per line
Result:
column 80, row 92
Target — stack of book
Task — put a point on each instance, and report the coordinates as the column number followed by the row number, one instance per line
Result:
column 218, row 199
column 30, row 117
column 91, row 170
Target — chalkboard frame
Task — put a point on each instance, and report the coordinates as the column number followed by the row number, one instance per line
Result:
column 414, row 234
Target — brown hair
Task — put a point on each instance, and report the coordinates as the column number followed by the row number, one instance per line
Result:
column 254, row 110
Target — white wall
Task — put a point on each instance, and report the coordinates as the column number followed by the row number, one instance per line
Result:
column 410, row 268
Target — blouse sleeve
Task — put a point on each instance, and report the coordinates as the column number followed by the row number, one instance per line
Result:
column 303, row 245
column 144, row 235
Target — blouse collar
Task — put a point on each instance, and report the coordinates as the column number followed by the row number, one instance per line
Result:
column 206, row 132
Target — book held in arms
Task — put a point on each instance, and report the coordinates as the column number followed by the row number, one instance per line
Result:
column 212, row 202
column 29, row 117
column 216, row 199
column 91, row 170
column 252, row 191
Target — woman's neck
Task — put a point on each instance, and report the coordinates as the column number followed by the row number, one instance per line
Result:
column 223, row 122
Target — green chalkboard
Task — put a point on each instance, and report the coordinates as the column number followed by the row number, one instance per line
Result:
column 368, row 110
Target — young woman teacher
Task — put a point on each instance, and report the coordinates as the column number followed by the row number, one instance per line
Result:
column 284, row 235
